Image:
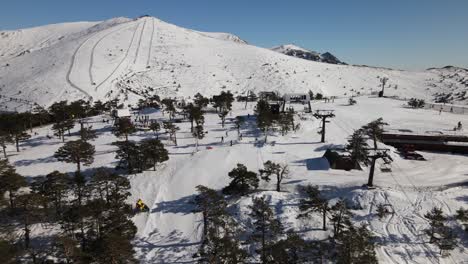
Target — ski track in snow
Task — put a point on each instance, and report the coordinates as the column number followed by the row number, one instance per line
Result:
column 151, row 43
column 139, row 43
column 70, row 69
column 91, row 63
column 121, row 62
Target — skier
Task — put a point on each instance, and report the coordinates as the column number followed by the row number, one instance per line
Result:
column 459, row 126
column 140, row 205
column 222, row 139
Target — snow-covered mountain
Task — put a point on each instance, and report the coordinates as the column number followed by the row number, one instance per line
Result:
column 298, row 52
column 129, row 58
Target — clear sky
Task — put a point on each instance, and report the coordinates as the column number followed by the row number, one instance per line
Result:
column 407, row 34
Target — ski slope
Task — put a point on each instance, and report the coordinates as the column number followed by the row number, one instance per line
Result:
column 124, row 58
column 170, row 232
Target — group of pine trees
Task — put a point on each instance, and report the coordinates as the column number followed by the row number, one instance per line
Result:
column 89, row 207
column 244, row 181
column 91, row 212
column 17, row 127
column 224, row 240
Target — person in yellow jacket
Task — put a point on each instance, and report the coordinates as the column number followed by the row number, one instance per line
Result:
column 141, row 205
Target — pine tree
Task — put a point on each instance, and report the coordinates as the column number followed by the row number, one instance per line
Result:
column 314, row 202
column 19, row 134
column 30, row 207
column 295, row 250
column 284, row 122
column 54, row 187
column 212, row 206
column 123, row 128
column 169, row 107
column 194, row 113
column 5, row 139
column 462, row 216
column 242, row 181
column 267, row 228
column 198, row 133
column 265, row 118
column 436, row 221
column 274, row 169
column 129, row 155
column 87, row 134
column 153, row 152
column 172, row 130
column 78, row 152
column 357, row 147
column 374, row 130
column 355, row 245
column 200, row 101
column 11, row 182
column 222, row 115
column 155, row 127
column 340, row 217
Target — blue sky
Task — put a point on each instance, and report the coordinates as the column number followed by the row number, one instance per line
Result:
column 410, row 34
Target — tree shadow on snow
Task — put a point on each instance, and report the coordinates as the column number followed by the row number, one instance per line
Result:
column 158, row 248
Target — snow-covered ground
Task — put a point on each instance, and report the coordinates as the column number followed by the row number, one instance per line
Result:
column 170, row 232
column 124, row 57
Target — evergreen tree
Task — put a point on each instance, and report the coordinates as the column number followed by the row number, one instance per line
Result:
column 357, row 147
column 54, row 187
column 340, row 217
column 18, row 133
column 200, row 101
column 265, row 117
column 212, row 206
column 462, row 216
column 129, row 156
column 5, row 139
column 267, row 228
column 87, row 134
column 198, row 133
column 123, row 128
column 11, row 182
column 436, row 221
column 194, row 113
column 78, row 152
column 295, row 250
column 223, row 101
column 169, row 105
column 155, row 127
column 30, row 209
column 355, row 245
column 314, row 202
column 284, row 122
column 222, row 115
column 153, row 152
column 274, row 169
column 172, row 130
column 59, row 128
column 374, row 130
column 242, row 181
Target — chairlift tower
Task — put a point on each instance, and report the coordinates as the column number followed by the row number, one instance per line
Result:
column 323, row 115
column 374, row 155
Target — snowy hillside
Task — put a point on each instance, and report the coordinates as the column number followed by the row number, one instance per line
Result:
column 170, row 232
column 129, row 58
